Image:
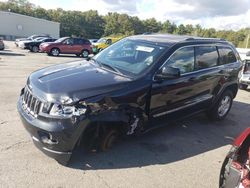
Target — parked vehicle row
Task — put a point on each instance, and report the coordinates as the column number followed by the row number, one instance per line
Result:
column 66, row 45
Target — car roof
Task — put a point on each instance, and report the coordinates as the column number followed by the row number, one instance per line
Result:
column 169, row 39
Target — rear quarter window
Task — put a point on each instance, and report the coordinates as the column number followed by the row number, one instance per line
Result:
column 226, row 55
column 206, row 57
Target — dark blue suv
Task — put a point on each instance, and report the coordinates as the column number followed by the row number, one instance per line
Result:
column 126, row 88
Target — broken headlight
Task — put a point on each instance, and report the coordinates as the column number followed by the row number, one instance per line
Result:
column 66, row 111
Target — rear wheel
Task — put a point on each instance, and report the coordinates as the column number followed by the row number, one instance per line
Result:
column 243, row 86
column 222, row 107
column 85, row 53
column 35, row 49
column 55, row 52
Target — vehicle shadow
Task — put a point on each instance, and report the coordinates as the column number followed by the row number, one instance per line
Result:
column 9, row 53
column 69, row 56
column 174, row 142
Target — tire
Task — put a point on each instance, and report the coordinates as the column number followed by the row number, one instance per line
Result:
column 55, row 52
column 35, row 49
column 100, row 49
column 85, row 53
column 243, row 86
column 220, row 110
column 108, row 139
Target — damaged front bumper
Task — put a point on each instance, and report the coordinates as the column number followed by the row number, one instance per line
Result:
column 53, row 136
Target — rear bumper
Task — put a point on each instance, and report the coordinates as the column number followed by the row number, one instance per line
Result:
column 55, row 138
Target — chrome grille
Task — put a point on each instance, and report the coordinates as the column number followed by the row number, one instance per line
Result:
column 30, row 103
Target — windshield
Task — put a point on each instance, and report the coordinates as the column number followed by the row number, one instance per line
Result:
column 39, row 39
column 130, row 57
column 61, row 39
column 102, row 40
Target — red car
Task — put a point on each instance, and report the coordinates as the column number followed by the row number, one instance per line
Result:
column 67, row 45
column 235, row 171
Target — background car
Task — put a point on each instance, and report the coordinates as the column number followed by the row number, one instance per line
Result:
column 93, row 40
column 103, row 43
column 33, row 46
column 244, row 80
column 30, row 38
column 22, row 44
column 67, row 45
column 1, row 44
column 235, row 171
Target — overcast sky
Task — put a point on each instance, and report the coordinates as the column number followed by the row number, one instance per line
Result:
column 220, row 14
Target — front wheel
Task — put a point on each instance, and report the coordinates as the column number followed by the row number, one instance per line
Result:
column 55, row 52
column 108, row 139
column 222, row 107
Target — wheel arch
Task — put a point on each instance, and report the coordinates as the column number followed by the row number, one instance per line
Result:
column 55, row 48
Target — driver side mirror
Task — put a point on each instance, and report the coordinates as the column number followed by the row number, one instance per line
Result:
column 168, row 73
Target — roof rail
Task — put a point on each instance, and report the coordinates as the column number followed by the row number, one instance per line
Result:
column 191, row 38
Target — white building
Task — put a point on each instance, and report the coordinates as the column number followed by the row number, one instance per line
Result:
column 14, row 25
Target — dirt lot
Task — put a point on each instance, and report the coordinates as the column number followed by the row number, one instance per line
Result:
column 187, row 154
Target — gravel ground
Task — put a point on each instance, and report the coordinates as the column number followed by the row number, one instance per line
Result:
column 186, row 154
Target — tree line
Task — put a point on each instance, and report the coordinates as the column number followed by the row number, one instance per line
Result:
column 90, row 24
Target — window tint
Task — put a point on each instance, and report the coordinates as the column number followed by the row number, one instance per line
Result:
column 68, row 41
column 77, row 41
column 86, row 41
column 206, row 56
column 182, row 59
column 226, row 55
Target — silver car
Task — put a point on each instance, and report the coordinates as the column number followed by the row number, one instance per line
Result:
column 245, row 75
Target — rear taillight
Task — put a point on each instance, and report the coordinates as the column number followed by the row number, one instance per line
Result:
column 246, row 68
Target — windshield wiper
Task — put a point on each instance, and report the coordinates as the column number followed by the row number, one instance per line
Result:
column 105, row 65
column 109, row 67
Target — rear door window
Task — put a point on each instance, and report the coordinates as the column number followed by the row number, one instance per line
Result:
column 226, row 55
column 206, row 57
column 77, row 41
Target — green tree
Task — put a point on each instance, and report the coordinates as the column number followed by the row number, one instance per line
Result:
column 151, row 25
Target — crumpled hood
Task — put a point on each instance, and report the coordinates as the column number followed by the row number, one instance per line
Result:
column 75, row 80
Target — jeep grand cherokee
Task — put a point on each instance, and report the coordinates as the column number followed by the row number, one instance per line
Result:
column 126, row 88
